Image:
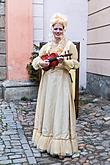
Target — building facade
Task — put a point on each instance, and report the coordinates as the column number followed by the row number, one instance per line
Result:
column 98, row 48
column 30, row 24
column 2, row 45
column 21, row 27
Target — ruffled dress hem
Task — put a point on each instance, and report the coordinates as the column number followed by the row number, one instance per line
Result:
column 54, row 146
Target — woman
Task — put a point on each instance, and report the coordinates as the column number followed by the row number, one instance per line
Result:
column 54, row 128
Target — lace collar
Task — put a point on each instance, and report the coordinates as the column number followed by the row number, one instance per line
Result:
column 56, row 48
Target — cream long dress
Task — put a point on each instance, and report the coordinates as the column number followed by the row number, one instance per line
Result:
column 55, row 121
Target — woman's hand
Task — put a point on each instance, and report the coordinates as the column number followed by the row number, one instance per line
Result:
column 44, row 63
column 60, row 59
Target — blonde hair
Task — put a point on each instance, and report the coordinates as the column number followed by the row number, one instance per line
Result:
column 58, row 18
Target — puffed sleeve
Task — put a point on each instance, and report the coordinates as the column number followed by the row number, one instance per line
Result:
column 36, row 61
column 72, row 63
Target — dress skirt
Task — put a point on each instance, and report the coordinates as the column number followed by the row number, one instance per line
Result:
column 55, row 120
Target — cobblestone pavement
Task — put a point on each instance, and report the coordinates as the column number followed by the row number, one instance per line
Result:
column 93, row 129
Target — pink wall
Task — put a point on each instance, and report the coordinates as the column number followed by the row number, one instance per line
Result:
column 18, row 37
